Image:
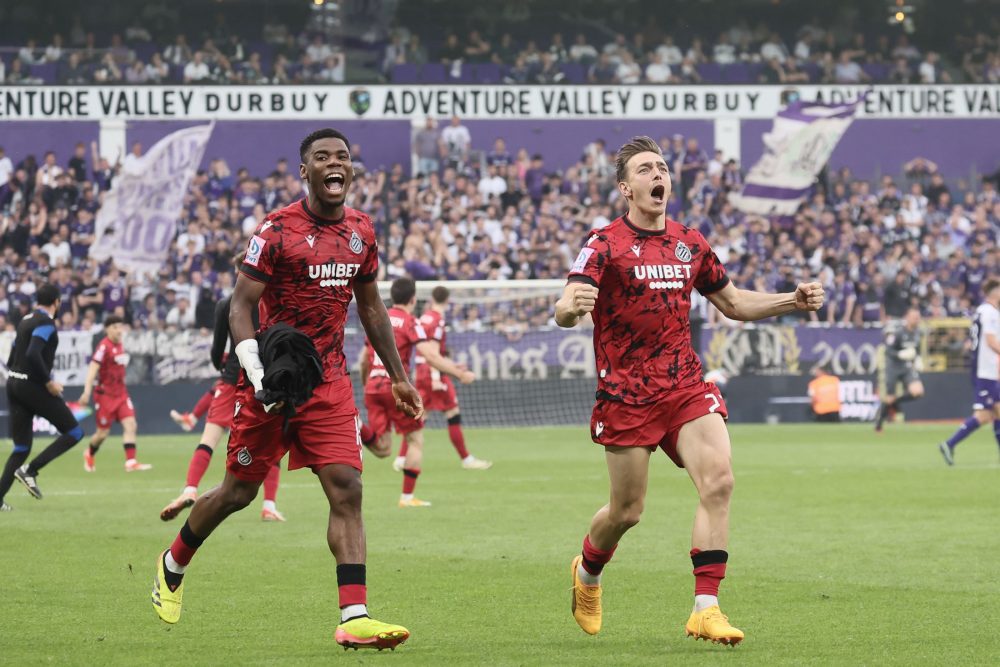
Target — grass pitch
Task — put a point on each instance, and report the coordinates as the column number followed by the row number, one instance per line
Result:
column 847, row 548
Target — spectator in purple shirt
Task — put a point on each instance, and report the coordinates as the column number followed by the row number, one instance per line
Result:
column 534, row 178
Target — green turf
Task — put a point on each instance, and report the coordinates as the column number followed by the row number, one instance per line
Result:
column 847, row 548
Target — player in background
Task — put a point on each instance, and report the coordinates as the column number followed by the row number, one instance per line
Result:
column 188, row 420
column 106, row 381
column 31, row 391
column 635, row 278
column 303, row 264
column 220, row 420
column 902, row 361
column 436, row 389
column 382, row 408
column 985, row 335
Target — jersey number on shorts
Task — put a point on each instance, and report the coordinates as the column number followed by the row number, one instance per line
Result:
column 715, row 402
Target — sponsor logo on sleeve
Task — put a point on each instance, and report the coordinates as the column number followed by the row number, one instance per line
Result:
column 254, row 249
column 581, row 260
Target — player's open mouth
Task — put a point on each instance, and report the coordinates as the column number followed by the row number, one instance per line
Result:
column 657, row 193
column 334, row 184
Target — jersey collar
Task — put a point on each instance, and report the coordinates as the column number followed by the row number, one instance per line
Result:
column 644, row 232
column 320, row 220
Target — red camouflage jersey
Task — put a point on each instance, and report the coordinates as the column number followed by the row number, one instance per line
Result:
column 309, row 265
column 434, row 325
column 408, row 333
column 642, row 329
column 113, row 360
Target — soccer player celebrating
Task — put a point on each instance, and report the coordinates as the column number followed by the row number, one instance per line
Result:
column 379, row 400
column 302, row 266
column 111, row 400
column 902, row 353
column 31, row 391
column 219, row 420
column 436, row 389
column 635, row 277
column 985, row 334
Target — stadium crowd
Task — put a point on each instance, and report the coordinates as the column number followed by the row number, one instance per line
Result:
column 504, row 214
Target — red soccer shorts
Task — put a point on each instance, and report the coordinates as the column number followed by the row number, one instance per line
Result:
column 223, row 406
column 324, row 430
column 655, row 424
column 382, row 413
column 436, row 400
column 111, row 408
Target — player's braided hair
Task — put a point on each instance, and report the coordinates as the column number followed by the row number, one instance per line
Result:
column 325, row 133
column 629, row 150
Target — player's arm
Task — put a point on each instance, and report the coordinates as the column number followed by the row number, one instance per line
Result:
column 36, row 362
column 364, row 365
column 375, row 320
column 88, row 382
column 220, row 334
column 993, row 342
column 431, row 351
column 246, row 296
column 578, row 299
column 748, row 305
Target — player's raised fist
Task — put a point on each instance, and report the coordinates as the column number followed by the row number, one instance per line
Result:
column 809, row 296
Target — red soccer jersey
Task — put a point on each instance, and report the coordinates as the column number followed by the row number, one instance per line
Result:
column 642, row 331
column 113, row 360
column 408, row 333
column 309, row 265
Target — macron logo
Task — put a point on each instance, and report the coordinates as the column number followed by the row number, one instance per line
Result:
column 310, row 240
column 599, row 429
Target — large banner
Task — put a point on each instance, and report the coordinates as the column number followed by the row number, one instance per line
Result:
column 795, row 151
column 345, row 102
column 138, row 219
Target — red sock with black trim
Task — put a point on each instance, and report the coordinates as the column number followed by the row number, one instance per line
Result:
column 271, row 483
column 595, row 559
column 410, row 480
column 199, row 464
column 457, row 437
column 129, row 451
column 352, row 591
column 709, row 571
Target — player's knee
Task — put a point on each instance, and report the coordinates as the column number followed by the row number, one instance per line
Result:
column 718, row 485
column 627, row 516
column 344, row 489
column 238, row 496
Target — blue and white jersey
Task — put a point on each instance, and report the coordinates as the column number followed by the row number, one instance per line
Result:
column 985, row 361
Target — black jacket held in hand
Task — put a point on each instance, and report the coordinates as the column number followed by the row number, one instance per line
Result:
column 292, row 367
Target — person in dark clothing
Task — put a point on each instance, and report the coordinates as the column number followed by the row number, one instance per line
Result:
column 32, row 392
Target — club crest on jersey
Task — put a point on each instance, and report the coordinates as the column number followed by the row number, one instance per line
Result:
column 243, row 457
column 682, row 252
column 310, row 239
column 356, row 245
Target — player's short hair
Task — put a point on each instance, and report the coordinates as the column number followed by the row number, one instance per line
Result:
column 325, row 133
column 402, row 291
column 629, row 150
column 113, row 319
column 990, row 285
column 47, row 294
column 440, row 294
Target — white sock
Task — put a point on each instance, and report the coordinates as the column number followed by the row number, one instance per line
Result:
column 353, row 611
column 406, row 496
column 173, row 565
column 705, row 601
column 469, row 458
column 270, row 506
column 587, row 578
column 191, row 489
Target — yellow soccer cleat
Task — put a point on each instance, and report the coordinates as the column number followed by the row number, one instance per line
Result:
column 166, row 603
column 586, row 602
column 413, row 502
column 712, row 625
column 364, row 632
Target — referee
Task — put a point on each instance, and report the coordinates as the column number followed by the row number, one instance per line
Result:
column 31, row 391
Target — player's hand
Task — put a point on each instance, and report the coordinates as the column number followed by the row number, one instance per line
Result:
column 408, row 399
column 438, row 386
column 581, row 298
column 466, row 377
column 84, row 399
column 809, row 296
column 54, row 388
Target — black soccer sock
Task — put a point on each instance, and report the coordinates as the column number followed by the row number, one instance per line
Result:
column 59, row 446
column 94, row 448
column 16, row 460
